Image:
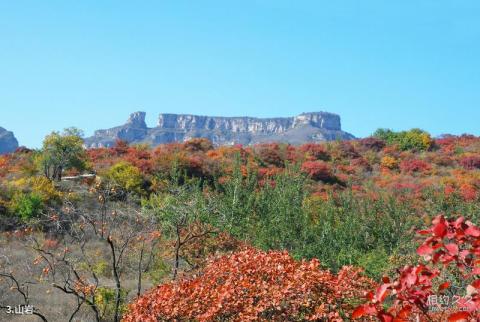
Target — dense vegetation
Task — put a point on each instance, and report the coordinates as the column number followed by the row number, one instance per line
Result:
column 267, row 232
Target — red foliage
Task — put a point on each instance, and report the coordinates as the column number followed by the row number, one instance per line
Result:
column 254, row 285
column 361, row 163
column 468, row 192
column 318, row 170
column 120, row 147
column 415, row 165
column 270, row 154
column 314, row 152
column 470, row 162
column 198, row 145
column 140, row 158
column 450, row 244
column 372, row 143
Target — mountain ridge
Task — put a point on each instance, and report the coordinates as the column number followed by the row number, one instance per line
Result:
column 305, row 127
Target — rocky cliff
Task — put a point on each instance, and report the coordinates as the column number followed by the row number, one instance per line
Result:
column 306, row 127
column 8, row 142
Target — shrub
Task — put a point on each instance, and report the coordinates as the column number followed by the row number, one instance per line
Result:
column 373, row 143
column 254, row 285
column 468, row 192
column 318, row 170
column 44, row 188
column 126, row 176
column 270, row 154
column 26, row 205
column 415, row 165
column 105, row 300
column 470, row 162
column 198, row 145
column 315, row 151
column 450, row 248
column 389, row 162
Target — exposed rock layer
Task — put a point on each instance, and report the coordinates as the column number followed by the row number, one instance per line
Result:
column 306, row 127
column 8, row 142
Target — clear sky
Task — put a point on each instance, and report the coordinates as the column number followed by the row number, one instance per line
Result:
column 394, row 64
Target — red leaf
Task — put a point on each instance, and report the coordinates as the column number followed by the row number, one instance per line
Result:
column 459, row 316
column 440, row 229
column 363, row 311
column 385, row 317
column 369, row 296
column 443, row 286
column 459, row 221
column 476, row 284
column 424, row 250
column 404, row 313
column 473, row 231
column 476, row 271
column 411, row 279
column 359, row 312
column 452, row 249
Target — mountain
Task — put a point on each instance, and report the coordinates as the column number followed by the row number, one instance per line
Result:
column 306, row 127
column 8, row 142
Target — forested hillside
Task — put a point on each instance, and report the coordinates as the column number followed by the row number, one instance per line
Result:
column 374, row 228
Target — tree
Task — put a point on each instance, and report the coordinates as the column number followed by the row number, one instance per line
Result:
column 62, row 151
column 126, row 177
column 414, row 139
column 89, row 246
column 183, row 215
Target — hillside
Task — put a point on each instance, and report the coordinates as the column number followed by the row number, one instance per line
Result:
column 265, row 232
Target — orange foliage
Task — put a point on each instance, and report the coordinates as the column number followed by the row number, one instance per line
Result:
column 254, row 285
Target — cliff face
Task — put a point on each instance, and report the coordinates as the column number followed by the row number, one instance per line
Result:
column 8, row 142
column 306, row 127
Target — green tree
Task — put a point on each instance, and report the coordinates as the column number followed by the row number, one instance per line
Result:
column 184, row 215
column 62, row 151
column 126, row 176
column 414, row 139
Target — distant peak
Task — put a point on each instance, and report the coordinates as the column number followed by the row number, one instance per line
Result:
column 137, row 119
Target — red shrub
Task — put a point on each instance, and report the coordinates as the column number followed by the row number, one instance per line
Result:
column 120, row 147
column 372, row 143
column 470, row 162
column 315, row 152
column 346, row 150
column 449, row 245
column 318, row 170
column 361, row 163
column 198, row 144
column 270, row 154
column 140, row 158
column 415, row 165
column 254, row 285
column 468, row 192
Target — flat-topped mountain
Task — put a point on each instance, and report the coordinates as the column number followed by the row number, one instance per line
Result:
column 306, row 127
column 8, row 142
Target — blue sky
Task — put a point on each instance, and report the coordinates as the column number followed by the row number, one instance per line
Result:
column 395, row 64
